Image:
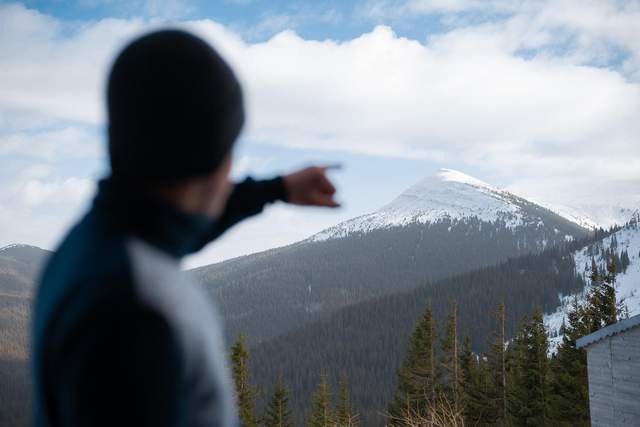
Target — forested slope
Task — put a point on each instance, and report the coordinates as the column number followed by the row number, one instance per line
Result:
column 267, row 294
column 367, row 341
column 19, row 267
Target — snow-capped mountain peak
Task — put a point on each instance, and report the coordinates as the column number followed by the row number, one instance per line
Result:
column 450, row 175
column 450, row 195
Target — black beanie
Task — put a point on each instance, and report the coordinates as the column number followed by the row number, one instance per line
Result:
column 175, row 108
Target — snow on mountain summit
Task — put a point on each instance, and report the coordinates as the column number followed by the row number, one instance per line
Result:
column 451, row 175
column 448, row 194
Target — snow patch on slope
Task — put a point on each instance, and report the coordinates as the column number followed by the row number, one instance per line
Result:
column 627, row 283
column 17, row 245
column 447, row 195
column 591, row 216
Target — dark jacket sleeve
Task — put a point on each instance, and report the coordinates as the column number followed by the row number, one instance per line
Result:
column 248, row 198
column 120, row 367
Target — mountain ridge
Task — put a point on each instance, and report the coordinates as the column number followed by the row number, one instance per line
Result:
column 443, row 225
column 449, row 194
column 281, row 291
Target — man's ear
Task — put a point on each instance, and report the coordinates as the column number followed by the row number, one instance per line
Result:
column 226, row 165
column 219, row 188
column 221, row 174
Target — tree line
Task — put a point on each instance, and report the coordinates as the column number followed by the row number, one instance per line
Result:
column 268, row 294
column 442, row 381
column 516, row 382
column 367, row 341
column 278, row 413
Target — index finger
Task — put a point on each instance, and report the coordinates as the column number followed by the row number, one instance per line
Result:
column 331, row 166
column 326, row 185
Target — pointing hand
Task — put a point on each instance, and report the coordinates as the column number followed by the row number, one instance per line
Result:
column 311, row 187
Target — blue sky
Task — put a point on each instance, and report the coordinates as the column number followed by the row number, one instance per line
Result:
column 257, row 20
column 539, row 97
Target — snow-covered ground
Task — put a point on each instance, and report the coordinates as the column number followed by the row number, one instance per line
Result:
column 447, row 194
column 591, row 215
column 8, row 248
column 14, row 245
column 627, row 283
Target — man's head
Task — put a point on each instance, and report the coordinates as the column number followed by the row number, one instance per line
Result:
column 175, row 109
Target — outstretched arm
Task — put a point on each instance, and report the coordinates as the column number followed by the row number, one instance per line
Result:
column 306, row 187
column 248, row 198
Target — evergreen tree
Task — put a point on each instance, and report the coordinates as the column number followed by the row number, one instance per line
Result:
column 245, row 392
column 467, row 371
column 610, row 309
column 344, row 414
column 569, row 385
column 474, row 380
column 278, row 413
column 601, row 308
column 570, row 401
column 497, row 402
column 450, row 375
column 321, row 412
column 624, row 261
column 417, row 377
column 529, row 388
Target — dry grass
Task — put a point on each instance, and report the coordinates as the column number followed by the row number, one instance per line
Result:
column 439, row 413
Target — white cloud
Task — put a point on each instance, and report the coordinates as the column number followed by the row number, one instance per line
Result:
column 39, row 185
column 37, row 205
column 296, row 16
column 271, row 24
column 52, row 144
column 585, row 31
column 56, row 69
column 36, row 192
column 245, row 165
column 532, row 99
column 378, row 93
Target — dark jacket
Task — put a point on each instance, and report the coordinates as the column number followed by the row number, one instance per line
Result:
column 120, row 335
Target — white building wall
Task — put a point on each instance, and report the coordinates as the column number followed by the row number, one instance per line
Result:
column 614, row 379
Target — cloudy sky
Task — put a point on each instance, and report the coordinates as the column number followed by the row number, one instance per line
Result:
column 538, row 97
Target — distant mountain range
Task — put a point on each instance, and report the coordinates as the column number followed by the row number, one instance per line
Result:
column 593, row 215
column 368, row 340
column 444, row 238
column 447, row 224
column 19, row 268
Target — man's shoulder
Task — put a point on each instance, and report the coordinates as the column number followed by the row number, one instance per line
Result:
column 89, row 267
column 89, row 250
column 159, row 281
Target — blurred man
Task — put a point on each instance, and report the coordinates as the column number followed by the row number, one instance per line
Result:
column 121, row 336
